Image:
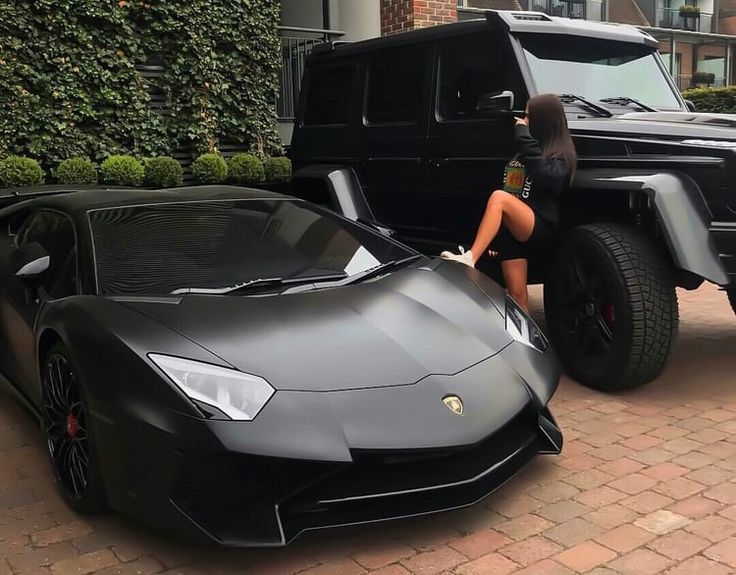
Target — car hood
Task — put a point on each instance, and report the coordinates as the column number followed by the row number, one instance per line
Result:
column 679, row 125
column 393, row 331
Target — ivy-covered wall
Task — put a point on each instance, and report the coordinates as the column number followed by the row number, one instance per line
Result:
column 69, row 84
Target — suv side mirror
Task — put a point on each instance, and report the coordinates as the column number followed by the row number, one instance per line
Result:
column 494, row 102
column 30, row 261
column 690, row 105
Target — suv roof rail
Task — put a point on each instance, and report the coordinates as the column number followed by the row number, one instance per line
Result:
column 531, row 16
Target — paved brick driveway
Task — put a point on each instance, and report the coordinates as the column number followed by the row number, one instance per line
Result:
column 647, row 484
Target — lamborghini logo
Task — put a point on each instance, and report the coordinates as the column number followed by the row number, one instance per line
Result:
column 454, row 404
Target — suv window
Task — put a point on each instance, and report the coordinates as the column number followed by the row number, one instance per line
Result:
column 396, row 85
column 55, row 232
column 329, row 95
column 473, row 67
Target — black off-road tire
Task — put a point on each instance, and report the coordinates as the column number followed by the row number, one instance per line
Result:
column 69, row 435
column 611, row 307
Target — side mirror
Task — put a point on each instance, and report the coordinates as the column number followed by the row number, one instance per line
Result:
column 30, row 261
column 690, row 105
column 495, row 102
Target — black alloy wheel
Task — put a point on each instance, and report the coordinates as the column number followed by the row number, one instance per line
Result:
column 68, row 437
column 611, row 307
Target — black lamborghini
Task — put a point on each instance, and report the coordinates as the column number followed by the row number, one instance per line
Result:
column 236, row 366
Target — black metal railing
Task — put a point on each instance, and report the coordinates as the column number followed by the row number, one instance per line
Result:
column 693, row 21
column 296, row 44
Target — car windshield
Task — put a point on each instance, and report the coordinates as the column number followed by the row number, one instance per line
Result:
column 597, row 69
column 158, row 249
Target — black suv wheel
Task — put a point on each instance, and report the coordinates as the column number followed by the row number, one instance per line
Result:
column 611, row 307
column 68, row 434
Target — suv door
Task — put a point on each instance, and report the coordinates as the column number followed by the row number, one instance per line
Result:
column 393, row 134
column 468, row 147
column 20, row 304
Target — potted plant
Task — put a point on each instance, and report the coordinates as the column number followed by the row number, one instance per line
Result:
column 689, row 11
column 706, row 78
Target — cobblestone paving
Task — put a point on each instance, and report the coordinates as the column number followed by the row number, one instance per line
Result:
column 646, row 484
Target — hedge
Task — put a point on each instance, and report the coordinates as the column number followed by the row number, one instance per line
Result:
column 714, row 100
column 277, row 169
column 163, row 172
column 19, row 171
column 210, row 169
column 122, row 171
column 69, row 84
column 246, row 169
column 76, row 171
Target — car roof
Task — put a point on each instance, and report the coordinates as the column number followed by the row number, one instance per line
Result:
column 507, row 20
column 78, row 200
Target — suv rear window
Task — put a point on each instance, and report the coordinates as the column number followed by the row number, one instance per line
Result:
column 396, row 85
column 329, row 95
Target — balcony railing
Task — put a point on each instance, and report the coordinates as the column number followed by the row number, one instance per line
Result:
column 579, row 9
column 671, row 18
column 296, row 44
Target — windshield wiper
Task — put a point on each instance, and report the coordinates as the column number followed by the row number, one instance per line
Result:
column 572, row 98
column 360, row 276
column 256, row 283
column 625, row 101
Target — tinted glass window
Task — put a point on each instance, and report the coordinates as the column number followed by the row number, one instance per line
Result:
column 329, row 95
column 472, row 69
column 597, row 69
column 396, row 85
column 55, row 232
column 161, row 248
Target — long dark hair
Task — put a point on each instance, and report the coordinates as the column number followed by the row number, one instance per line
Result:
column 548, row 124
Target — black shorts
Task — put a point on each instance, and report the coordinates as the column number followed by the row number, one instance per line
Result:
column 509, row 248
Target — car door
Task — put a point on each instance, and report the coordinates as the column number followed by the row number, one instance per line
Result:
column 469, row 144
column 21, row 301
column 393, row 134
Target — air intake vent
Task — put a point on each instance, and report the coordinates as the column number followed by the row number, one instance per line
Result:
column 531, row 17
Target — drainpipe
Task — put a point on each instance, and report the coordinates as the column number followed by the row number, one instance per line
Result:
column 326, row 17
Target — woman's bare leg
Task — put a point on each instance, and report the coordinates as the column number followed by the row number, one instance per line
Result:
column 515, row 275
column 504, row 208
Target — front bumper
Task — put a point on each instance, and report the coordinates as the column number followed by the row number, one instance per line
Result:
column 258, row 501
column 313, row 460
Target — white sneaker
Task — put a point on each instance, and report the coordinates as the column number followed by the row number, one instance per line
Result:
column 463, row 257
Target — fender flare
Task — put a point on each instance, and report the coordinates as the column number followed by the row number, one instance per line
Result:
column 343, row 187
column 681, row 209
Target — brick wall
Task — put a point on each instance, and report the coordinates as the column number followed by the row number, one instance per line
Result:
column 402, row 15
column 727, row 17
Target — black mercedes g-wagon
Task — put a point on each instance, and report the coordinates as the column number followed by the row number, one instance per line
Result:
column 411, row 132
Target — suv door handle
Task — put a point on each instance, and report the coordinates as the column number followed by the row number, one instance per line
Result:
column 437, row 162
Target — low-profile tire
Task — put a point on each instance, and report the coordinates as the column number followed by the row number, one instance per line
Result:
column 69, row 436
column 611, row 307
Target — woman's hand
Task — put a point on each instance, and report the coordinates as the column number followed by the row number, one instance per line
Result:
column 522, row 121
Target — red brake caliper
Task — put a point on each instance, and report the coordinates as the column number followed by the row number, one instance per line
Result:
column 72, row 425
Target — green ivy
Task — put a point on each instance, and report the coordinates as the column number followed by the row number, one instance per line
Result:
column 69, row 85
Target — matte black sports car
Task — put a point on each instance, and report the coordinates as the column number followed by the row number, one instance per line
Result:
column 237, row 366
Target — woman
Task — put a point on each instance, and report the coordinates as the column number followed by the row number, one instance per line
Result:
column 525, row 215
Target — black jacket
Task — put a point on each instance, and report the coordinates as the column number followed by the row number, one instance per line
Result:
column 546, row 180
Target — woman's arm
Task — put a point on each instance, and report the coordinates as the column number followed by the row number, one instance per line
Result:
column 554, row 171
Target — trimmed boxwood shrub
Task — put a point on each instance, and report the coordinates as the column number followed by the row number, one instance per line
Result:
column 20, row 171
column 162, row 172
column 713, row 100
column 122, row 171
column 246, row 169
column 210, row 169
column 277, row 169
column 77, row 171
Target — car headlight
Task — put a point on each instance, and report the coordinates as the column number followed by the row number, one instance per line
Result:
column 238, row 395
column 522, row 328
